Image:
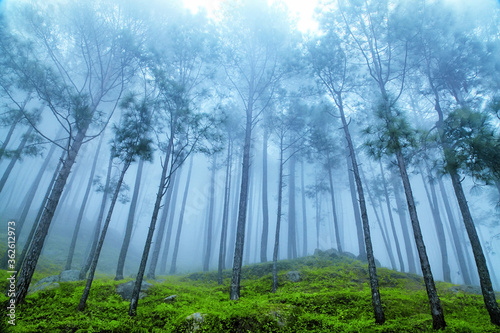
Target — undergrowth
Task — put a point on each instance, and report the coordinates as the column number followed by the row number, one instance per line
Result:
column 333, row 295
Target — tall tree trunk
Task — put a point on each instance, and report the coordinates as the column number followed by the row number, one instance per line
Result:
column 43, row 228
column 292, row 223
column 355, row 206
column 27, row 245
column 317, row 202
column 28, row 200
column 97, row 230
column 404, row 224
column 175, row 253
column 242, row 209
column 95, row 259
column 464, row 270
column 379, row 222
column 79, row 219
column 234, row 216
column 482, row 269
column 172, row 204
column 250, row 219
column 130, row 222
column 161, row 228
column 8, row 137
column 391, row 219
column 208, row 250
column 278, row 221
column 438, row 223
column 372, row 268
column 225, row 214
column 265, row 202
column 438, row 321
column 334, row 211
column 304, row 211
column 164, row 184
column 15, row 158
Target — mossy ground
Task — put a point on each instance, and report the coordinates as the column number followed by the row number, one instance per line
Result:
column 332, row 296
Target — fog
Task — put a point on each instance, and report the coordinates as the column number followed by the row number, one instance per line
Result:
column 261, row 93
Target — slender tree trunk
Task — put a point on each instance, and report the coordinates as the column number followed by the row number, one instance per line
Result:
column 79, row 219
column 317, row 203
column 379, row 222
column 208, row 250
column 292, row 233
column 482, row 269
column 404, row 225
column 28, row 202
column 234, row 217
column 27, row 245
column 355, row 206
column 265, row 202
column 304, row 211
column 175, row 254
column 334, row 211
column 438, row 223
column 464, row 270
column 225, row 215
column 164, row 184
column 242, row 210
column 372, row 268
column 391, row 219
column 161, row 228
column 95, row 239
column 438, row 321
column 43, row 228
column 250, row 219
column 95, row 259
column 385, row 232
column 130, row 222
column 173, row 203
column 8, row 137
column 15, row 158
column 278, row 221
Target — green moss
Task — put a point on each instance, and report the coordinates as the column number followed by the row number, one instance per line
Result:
column 332, row 296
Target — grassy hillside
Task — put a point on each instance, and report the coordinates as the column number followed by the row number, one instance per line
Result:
column 333, row 295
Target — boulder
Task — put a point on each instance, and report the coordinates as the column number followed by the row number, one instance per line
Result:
column 349, row 255
column 293, row 276
column 70, row 275
column 468, row 289
column 48, row 279
column 170, row 299
column 195, row 321
column 125, row 289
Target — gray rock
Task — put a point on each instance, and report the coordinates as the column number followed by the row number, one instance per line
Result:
column 125, row 289
column 349, row 255
column 48, row 279
column 279, row 317
column 466, row 289
column 332, row 253
column 293, row 276
column 195, row 320
column 170, row 299
column 70, row 275
column 318, row 252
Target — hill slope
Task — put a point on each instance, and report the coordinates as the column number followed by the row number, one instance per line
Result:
column 332, row 295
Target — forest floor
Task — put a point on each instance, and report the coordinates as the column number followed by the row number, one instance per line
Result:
column 332, row 295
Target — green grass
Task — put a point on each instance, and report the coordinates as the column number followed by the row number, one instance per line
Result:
column 333, row 296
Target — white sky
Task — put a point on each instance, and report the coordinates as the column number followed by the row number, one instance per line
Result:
column 302, row 9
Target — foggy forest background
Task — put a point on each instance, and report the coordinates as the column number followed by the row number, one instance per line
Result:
column 180, row 141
